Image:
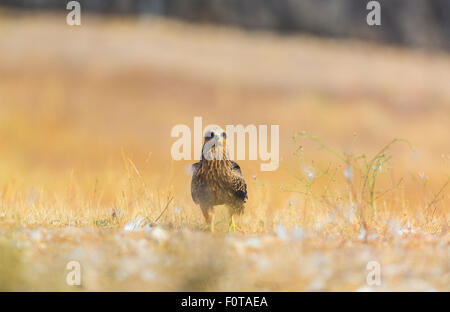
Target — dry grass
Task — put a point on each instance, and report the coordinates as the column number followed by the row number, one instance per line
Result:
column 86, row 172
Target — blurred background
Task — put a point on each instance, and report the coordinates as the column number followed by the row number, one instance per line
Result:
column 418, row 23
column 134, row 69
column 86, row 113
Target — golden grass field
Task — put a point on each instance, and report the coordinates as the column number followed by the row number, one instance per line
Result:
column 86, row 172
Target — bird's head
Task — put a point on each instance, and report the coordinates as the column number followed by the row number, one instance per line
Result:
column 217, row 134
column 215, row 143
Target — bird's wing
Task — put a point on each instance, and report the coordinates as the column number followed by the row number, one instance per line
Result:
column 194, row 183
column 194, row 168
column 236, row 169
column 239, row 185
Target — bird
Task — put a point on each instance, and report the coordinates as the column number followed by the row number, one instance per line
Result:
column 217, row 180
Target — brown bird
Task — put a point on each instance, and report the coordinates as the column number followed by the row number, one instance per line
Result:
column 216, row 180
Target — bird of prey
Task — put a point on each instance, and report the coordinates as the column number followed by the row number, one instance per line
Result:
column 216, row 180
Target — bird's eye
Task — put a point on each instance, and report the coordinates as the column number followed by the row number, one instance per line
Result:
column 211, row 134
column 224, row 135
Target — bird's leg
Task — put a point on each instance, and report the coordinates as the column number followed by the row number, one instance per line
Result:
column 208, row 213
column 212, row 222
column 232, row 226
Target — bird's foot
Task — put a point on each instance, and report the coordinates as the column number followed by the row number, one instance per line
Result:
column 233, row 227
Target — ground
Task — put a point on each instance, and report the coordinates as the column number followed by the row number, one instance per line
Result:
column 86, row 172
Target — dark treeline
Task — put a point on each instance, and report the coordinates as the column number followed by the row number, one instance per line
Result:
column 420, row 23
